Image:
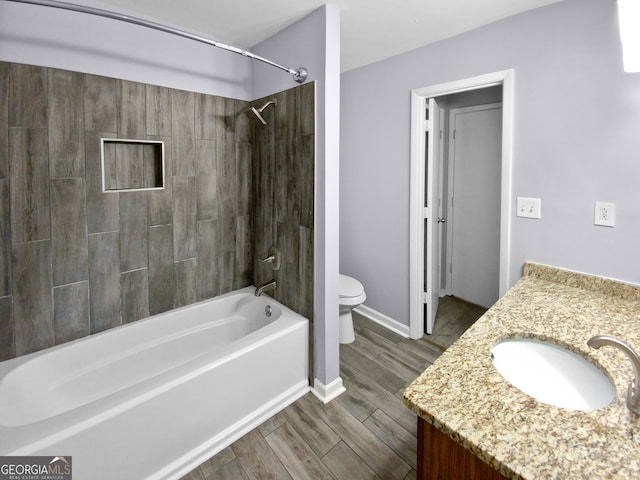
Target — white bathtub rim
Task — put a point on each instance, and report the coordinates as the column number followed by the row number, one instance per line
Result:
column 8, row 367
column 189, row 462
column 5, row 375
column 12, row 363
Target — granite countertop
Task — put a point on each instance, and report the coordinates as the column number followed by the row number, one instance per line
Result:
column 464, row 396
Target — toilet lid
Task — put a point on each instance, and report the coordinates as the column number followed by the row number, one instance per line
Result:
column 350, row 287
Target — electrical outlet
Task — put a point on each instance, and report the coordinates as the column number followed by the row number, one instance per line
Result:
column 605, row 214
column 528, row 207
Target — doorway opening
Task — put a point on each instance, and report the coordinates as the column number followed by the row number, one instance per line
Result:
column 441, row 230
column 470, row 253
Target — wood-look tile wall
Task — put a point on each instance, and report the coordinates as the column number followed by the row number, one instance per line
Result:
column 284, row 165
column 75, row 261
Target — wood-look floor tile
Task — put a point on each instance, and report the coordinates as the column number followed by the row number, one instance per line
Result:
column 257, row 459
column 400, row 440
column 378, row 455
column 274, row 422
column 412, row 475
column 348, row 363
column 296, row 455
column 357, row 404
column 402, row 369
column 217, row 462
column 454, row 317
column 432, row 343
column 315, row 432
column 390, row 402
column 408, row 358
column 348, row 369
column 345, row 464
column 378, row 372
column 469, row 317
column 229, row 471
column 425, row 350
column 350, row 356
column 366, row 347
column 360, row 322
column 383, row 341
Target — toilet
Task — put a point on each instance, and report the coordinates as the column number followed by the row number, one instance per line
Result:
column 351, row 295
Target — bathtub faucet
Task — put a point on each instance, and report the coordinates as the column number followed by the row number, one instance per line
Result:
column 266, row 287
column 273, row 257
column 633, row 392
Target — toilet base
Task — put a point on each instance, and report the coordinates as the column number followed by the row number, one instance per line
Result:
column 347, row 334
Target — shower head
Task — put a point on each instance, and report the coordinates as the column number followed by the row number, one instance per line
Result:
column 257, row 114
column 258, row 111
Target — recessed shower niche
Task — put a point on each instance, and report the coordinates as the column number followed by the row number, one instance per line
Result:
column 132, row 164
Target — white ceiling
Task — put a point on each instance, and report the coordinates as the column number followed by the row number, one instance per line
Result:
column 371, row 30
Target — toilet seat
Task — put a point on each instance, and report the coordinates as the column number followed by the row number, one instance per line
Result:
column 350, row 287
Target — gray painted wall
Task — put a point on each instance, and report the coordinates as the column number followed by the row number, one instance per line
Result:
column 56, row 38
column 575, row 142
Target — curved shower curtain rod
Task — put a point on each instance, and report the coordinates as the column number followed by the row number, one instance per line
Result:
column 299, row 75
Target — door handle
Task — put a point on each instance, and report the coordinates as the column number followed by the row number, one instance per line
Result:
column 441, row 220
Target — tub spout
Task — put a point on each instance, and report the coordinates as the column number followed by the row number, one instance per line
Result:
column 633, row 392
column 266, row 287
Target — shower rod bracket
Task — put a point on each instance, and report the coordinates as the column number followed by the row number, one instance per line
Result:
column 299, row 75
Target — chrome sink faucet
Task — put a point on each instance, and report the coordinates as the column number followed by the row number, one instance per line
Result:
column 633, row 392
column 265, row 287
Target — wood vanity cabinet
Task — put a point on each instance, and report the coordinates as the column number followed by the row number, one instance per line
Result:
column 441, row 458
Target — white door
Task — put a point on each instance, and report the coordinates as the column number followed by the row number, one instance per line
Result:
column 475, row 143
column 433, row 220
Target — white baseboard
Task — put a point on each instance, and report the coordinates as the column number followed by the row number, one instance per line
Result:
column 387, row 322
column 326, row 393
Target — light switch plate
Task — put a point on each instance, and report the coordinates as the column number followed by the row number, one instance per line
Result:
column 528, row 207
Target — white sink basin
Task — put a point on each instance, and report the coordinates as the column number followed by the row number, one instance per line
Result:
column 552, row 374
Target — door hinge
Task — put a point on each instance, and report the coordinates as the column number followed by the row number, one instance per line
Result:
column 425, row 213
column 425, row 297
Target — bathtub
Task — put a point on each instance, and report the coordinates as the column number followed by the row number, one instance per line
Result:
column 155, row 398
